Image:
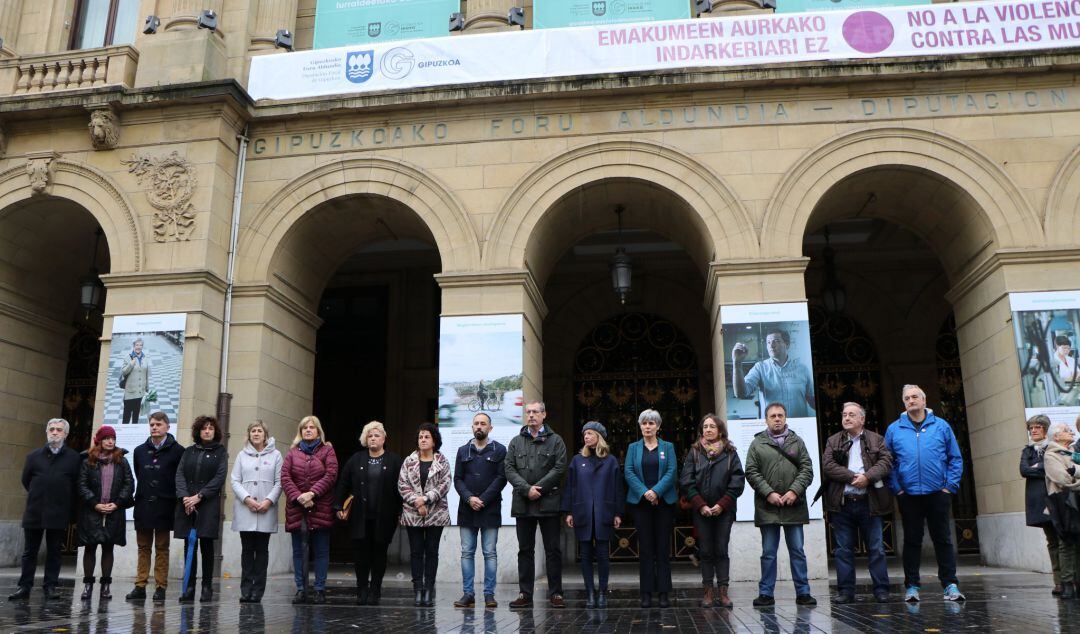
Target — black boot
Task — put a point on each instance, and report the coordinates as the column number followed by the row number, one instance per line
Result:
column 138, row 593
column 106, row 588
column 188, row 595
column 87, row 589
column 22, row 594
column 590, row 599
column 361, row 595
column 418, row 600
column 207, row 593
column 375, row 595
column 601, row 599
column 428, row 597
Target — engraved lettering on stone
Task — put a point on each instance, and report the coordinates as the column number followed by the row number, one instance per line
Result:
column 104, row 129
column 172, row 184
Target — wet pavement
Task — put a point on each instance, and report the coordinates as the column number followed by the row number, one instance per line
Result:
column 998, row 601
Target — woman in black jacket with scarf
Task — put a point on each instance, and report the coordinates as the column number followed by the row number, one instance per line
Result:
column 1034, row 473
column 370, row 477
column 712, row 480
column 106, row 488
column 199, row 479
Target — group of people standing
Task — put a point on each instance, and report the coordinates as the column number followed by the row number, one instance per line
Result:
column 178, row 489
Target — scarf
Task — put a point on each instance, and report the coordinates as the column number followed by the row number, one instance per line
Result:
column 1040, row 447
column 713, row 449
column 309, row 447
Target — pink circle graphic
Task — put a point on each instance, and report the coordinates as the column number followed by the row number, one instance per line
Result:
column 868, row 31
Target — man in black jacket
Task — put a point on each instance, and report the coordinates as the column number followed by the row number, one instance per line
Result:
column 156, row 461
column 49, row 477
column 479, row 479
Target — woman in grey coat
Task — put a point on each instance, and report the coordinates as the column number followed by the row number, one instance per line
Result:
column 256, row 485
column 135, row 376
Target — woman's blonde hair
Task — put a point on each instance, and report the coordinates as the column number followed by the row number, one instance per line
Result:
column 304, row 421
column 367, row 430
column 602, row 449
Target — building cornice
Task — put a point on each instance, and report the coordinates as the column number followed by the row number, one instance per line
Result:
column 1006, row 257
column 164, row 278
column 507, row 277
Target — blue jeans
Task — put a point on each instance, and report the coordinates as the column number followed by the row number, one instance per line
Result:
column 490, row 537
column 320, row 547
column 770, row 542
column 854, row 516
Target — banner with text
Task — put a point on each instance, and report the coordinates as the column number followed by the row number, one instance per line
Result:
column 146, row 360
column 549, row 14
column 351, row 22
column 939, row 29
column 768, row 349
column 800, row 6
column 481, row 360
column 1045, row 327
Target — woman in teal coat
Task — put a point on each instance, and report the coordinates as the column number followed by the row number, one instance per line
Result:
column 651, row 477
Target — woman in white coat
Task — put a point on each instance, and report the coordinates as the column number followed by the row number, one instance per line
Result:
column 256, row 485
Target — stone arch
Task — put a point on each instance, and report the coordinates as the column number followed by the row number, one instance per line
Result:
column 726, row 227
column 394, row 180
column 997, row 202
column 1063, row 203
column 93, row 191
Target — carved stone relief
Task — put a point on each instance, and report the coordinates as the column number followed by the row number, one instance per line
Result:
column 172, row 183
column 104, row 129
column 39, row 169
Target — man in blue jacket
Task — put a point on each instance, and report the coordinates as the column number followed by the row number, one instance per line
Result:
column 926, row 473
column 479, row 478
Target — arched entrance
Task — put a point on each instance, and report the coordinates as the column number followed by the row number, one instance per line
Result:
column 49, row 353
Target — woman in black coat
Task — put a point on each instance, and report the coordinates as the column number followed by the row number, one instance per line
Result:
column 199, row 479
column 370, row 477
column 105, row 490
column 712, row 481
column 1034, row 473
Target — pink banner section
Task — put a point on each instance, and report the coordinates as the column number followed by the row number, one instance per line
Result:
column 919, row 30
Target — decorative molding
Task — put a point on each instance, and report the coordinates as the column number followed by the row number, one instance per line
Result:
column 504, row 277
column 104, row 128
column 1005, row 257
column 269, row 292
column 750, row 267
column 165, row 278
column 172, row 184
column 3, row 139
column 39, row 169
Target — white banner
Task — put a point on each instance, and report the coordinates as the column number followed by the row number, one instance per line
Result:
column 921, row 30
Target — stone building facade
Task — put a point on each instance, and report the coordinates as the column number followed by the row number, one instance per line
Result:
column 942, row 184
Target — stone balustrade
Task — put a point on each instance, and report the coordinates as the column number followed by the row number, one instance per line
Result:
column 68, row 70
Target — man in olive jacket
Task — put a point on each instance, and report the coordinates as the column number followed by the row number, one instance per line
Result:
column 779, row 468
column 535, row 466
column 855, row 464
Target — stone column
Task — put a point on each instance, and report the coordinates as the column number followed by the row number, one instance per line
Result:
column 497, row 293
column 762, row 281
column 994, row 396
column 183, row 15
column 485, row 16
column 272, row 15
column 10, row 15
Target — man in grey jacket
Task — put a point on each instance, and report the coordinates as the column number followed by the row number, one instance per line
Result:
column 535, row 466
column 135, row 375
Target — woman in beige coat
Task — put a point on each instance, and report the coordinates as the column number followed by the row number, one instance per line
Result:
column 1062, row 484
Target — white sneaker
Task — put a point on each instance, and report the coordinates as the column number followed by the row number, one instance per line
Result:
column 912, row 595
column 952, row 593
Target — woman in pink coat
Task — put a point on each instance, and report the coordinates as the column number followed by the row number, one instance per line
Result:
column 423, row 483
column 308, row 476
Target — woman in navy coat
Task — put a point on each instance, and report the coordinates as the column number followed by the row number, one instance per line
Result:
column 593, row 497
column 651, row 478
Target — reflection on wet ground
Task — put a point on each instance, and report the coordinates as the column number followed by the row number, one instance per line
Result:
column 998, row 601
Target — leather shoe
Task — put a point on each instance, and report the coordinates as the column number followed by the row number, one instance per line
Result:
column 805, row 599
column 557, row 601
column 159, row 594
column 22, row 594
column 764, row 601
column 601, row 600
column 490, row 602
column 320, row 597
column 842, row 599
column 300, row 597
column 646, row 600
column 51, row 594
column 590, row 599
column 881, row 597
column 522, row 601
column 138, row 593
column 466, row 601
column 664, row 603
column 188, row 596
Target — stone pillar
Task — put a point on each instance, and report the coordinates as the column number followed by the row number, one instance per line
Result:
column 486, row 16
column 764, row 281
column 10, row 15
column 497, row 293
column 183, row 15
column 271, row 16
column 992, row 389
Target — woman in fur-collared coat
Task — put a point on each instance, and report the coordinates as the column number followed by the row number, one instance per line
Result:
column 423, row 483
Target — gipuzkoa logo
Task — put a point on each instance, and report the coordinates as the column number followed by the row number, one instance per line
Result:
column 358, row 66
column 374, row 29
column 599, row 8
column 397, row 63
